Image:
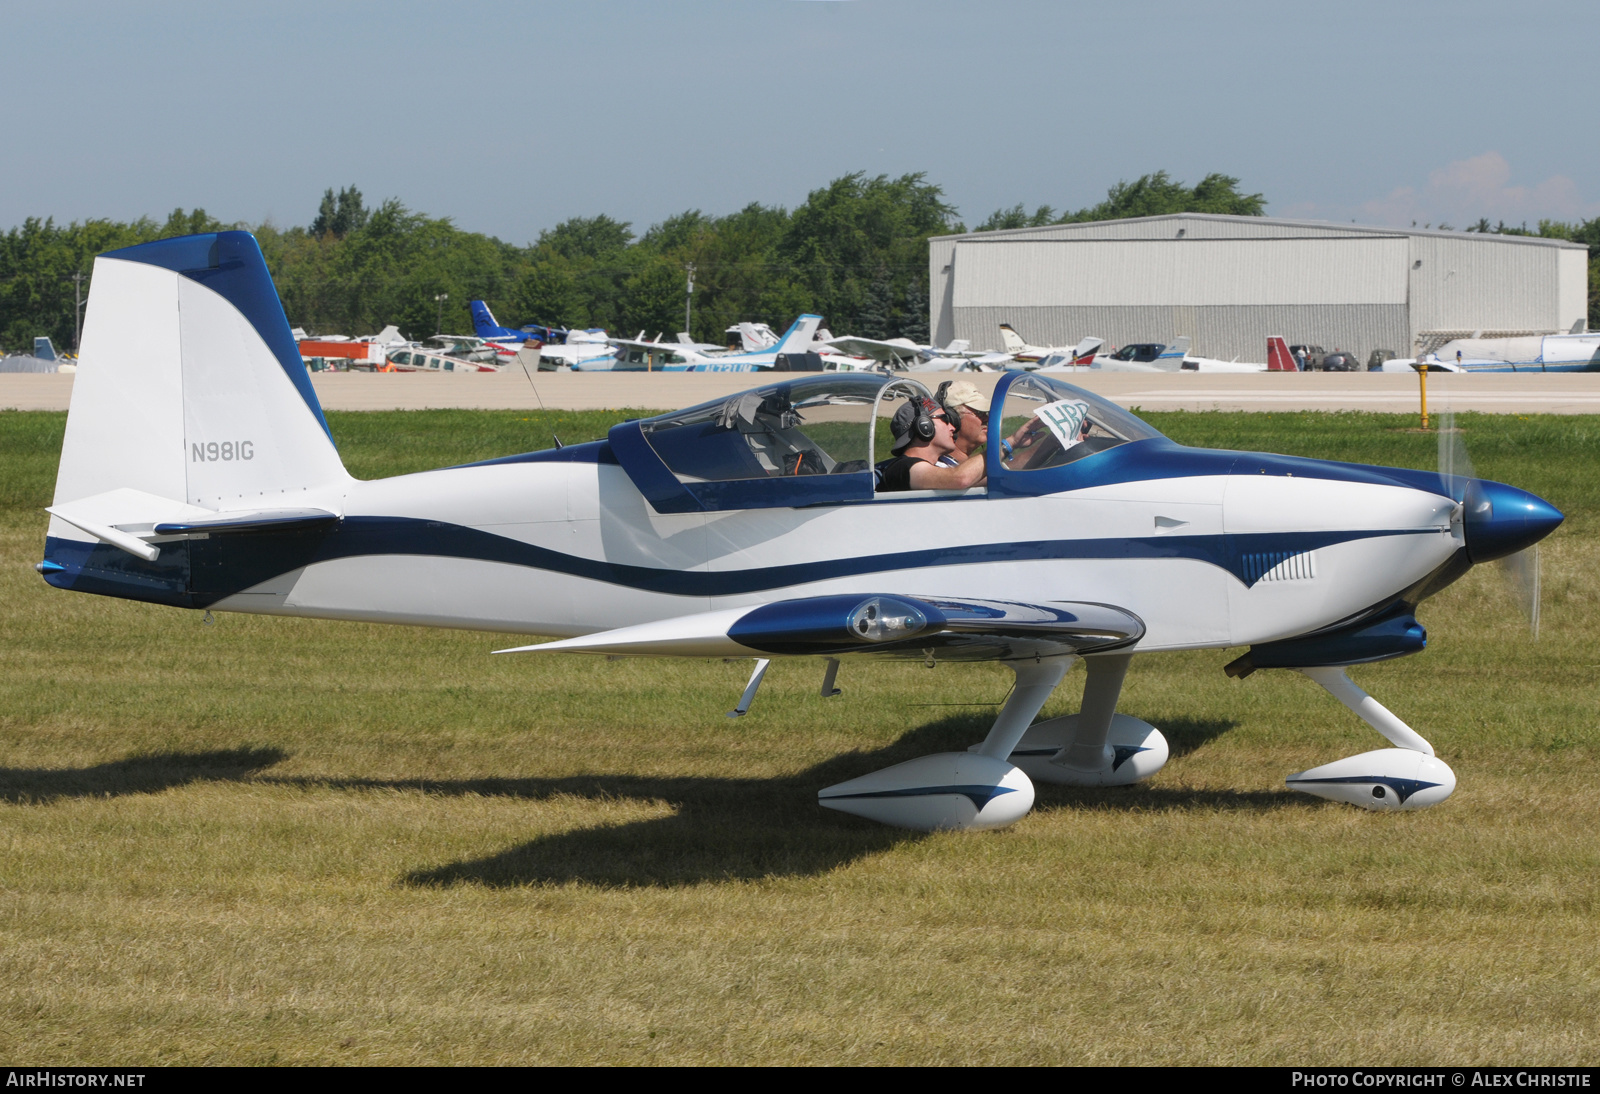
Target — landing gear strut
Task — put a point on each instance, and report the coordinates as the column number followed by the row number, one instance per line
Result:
column 1407, row 777
column 965, row 790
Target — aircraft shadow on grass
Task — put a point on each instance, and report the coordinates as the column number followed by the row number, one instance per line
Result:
column 741, row 829
column 149, row 774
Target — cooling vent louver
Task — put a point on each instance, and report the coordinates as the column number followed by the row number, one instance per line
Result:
column 1280, row 566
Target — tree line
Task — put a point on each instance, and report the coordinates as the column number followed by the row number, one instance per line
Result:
column 855, row 251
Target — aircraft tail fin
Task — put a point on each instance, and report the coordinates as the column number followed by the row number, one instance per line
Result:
column 1083, row 353
column 388, row 335
column 1581, row 326
column 190, row 388
column 484, row 324
column 797, row 339
column 958, row 346
column 753, row 337
column 1179, row 348
column 1013, row 341
column 44, row 349
column 1279, row 359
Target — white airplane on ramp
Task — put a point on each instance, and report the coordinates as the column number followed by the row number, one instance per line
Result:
column 1154, row 357
column 1577, row 351
column 197, row 471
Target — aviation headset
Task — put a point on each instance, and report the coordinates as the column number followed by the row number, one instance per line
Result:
column 952, row 414
column 922, row 427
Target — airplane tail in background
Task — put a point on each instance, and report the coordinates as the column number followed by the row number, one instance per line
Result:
column 797, row 339
column 1279, row 359
column 755, row 337
column 1178, row 350
column 1084, row 352
column 484, row 325
column 44, row 349
column 1013, row 341
column 191, row 410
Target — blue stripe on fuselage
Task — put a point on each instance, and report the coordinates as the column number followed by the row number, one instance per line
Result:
column 235, row 563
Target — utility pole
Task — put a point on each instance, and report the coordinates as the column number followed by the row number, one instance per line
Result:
column 439, row 300
column 77, row 310
column 688, row 302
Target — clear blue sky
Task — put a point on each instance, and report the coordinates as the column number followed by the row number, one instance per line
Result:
column 510, row 117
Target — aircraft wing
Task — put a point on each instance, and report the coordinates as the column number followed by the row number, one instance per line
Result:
column 659, row 347
column 894, row 626
column 892, row 350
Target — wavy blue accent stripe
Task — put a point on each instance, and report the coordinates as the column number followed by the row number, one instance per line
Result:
column 1403, row 788
column 980, row 794
column 230, row 263
column 256, row 558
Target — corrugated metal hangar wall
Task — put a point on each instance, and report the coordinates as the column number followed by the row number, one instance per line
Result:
column 1230, row 282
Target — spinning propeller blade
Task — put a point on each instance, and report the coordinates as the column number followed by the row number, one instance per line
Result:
column 1520, row 570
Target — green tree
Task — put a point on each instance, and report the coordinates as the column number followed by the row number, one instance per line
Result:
column 845, row 232
column 1147, row 196
column 1017, row 217
column 341, row 215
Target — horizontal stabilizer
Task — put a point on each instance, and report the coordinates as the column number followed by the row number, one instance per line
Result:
column 127, row 518
column 256, row 520
column 882, row 625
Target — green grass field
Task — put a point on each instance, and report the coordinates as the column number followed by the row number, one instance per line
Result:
column 290, row 841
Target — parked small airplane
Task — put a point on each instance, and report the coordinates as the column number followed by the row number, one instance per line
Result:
column 1147, row 356
column 1577, row 351
column 197, row 471
column 1019, row 348
column 796, row 347
column 487, row 328
column 43, row 359
column 419, row 359
column 1155, row 357
column 1080, row 356
column 1279, row 359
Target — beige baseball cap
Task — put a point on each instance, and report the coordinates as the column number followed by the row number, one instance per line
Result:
column 964, row 393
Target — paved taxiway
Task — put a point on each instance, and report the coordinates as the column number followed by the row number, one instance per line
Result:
column 1498, row 393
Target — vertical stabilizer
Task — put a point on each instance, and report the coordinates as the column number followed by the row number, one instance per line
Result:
column 1012, row 340
column 1279, row 359
column 190, row 386
column 44, row 349
column 797, row 339
column 1084, row 352
column 483, row 322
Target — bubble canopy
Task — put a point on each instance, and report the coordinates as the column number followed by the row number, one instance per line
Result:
column 813, row 440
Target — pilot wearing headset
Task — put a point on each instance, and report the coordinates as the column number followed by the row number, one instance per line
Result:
column 922, row 434
column 967, row 410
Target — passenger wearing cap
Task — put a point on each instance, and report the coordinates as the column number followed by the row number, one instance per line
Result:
column 967, row 410
column 922, row 434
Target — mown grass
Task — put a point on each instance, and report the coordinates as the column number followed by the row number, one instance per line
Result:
column 297, row 841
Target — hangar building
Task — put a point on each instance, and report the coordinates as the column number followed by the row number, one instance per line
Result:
column 1228, row 282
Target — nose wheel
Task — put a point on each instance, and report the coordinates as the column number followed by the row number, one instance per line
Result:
column 1408, row 776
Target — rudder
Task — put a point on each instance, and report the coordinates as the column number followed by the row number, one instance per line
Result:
column 190, row 387
column 1279, row 359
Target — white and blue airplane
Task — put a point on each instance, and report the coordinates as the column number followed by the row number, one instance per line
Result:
column 1577, row 351
column 197, row 471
